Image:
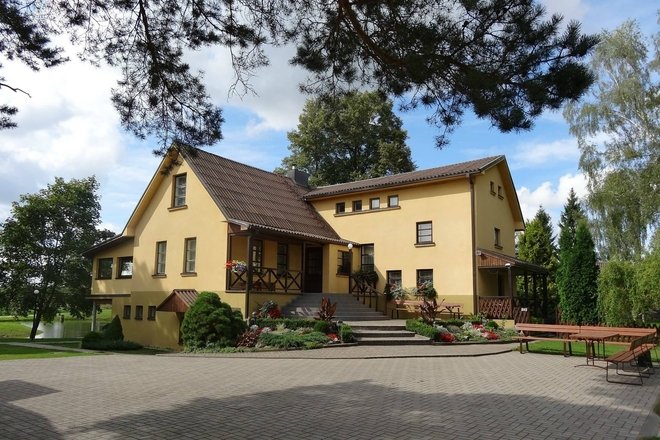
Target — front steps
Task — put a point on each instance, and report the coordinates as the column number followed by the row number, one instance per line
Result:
column 369, row 326
column 385, row 333
column 348, row 308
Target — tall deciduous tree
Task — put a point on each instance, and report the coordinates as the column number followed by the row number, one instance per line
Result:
column 536, row 245
column 623, row 107
column 355, row 136
column 500, row 58
column 41, row 247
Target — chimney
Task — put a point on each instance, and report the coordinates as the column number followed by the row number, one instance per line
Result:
column 299, row 177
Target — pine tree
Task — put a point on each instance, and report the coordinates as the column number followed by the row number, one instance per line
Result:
column 536, row 245
column 570, row 217
column 578, row 301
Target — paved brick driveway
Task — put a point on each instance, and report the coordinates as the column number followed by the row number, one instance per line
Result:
column 505, row 396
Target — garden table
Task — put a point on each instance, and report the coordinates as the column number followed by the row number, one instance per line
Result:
column 593, row 340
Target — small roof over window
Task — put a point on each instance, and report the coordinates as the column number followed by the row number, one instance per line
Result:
column 178, row 301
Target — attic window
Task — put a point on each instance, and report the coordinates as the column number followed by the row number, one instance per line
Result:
column 179, row 191
column 492, row 187
column 500, row 194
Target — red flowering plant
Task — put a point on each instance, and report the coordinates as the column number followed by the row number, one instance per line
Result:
column 269, row 309
column 447, row 337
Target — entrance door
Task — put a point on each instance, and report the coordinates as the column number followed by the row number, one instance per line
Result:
column 313, row 269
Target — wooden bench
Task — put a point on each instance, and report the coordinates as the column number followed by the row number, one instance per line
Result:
column 539, row 332
column 638, row 351
column 413, row 306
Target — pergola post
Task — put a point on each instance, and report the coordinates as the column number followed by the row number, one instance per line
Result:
column 508, row 268
column 248, row 284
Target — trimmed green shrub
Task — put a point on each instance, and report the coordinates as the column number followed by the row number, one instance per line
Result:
column 113, row 331
column 346, row 333
column 420, row 328
column 292, row 339
column 209, row 321
column 290, row 323
column 91, row 337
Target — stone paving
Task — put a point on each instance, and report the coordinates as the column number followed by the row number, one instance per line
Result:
column 319, row 394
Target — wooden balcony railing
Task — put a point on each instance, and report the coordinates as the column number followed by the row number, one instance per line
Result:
column 266, row 279
column 502, row 307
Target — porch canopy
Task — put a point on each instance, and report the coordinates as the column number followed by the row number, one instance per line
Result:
column 178, row 301
column 494, row 260
column 503, row 306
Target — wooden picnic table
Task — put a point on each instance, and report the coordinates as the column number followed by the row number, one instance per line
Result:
column 593, row 339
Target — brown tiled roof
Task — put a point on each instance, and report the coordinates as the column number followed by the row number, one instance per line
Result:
column 444, row 172
column 258, row 198
column 179, row 300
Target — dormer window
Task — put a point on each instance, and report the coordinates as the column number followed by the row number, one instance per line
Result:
column 179, row 194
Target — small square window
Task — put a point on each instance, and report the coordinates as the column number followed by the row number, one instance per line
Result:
column 179, row 191
column 357, row 205
column 151, row 313
column 392, row 201
column 104, row 270
column 374, row 203
column 424, row 275
column 138, row 312
column 340, row 208
column 394, row 278
column 124, row 267
column 127, row 312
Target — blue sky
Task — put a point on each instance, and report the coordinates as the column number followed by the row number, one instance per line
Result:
column 68, row 127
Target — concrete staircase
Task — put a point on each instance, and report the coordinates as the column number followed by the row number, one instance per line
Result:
column 369, row 326
column 306, row 305
column 385, row 333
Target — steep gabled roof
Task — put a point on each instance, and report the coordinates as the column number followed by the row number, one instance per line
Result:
column 259, row 199
column 413, row 177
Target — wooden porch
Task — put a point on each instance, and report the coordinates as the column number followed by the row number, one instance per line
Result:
column 509, row 302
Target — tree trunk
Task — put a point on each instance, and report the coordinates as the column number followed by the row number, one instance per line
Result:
column 35, row 324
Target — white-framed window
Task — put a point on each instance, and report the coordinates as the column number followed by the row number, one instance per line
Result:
column 190, row 255
column 179, row 195
column 161, row 255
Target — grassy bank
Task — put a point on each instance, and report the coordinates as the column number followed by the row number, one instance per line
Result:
column 11, row 352
column 578, row 348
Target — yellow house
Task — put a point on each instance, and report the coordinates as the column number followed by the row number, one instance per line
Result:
column 206, row 223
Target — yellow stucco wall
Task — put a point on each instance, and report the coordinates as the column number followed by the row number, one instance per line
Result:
column 493, row 211
column 393, row 233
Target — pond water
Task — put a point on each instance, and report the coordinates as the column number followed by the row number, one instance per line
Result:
column 66, row 329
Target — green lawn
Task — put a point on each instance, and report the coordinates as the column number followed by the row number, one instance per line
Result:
column 14, row 329
column 10, row 352
column 578, row 348
column 105, row 315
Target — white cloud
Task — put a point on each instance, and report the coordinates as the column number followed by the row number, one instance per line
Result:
column 534, row 154
column 551, row 195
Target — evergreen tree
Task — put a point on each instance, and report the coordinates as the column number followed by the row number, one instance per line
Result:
column 580, row 296
column 505, row 60
column 536, row 245
column 570, row 218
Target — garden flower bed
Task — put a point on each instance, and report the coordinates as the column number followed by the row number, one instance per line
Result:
column 462, row 332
